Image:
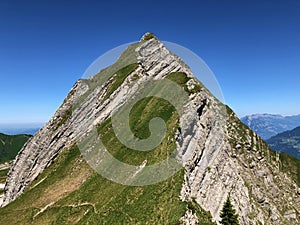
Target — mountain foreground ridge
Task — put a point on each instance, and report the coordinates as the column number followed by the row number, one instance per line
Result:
column 52, row 181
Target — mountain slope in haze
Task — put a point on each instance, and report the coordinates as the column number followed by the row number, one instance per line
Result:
column 50, row 181
column 287, row 142
column 268, row 125
column 10, row 145
column 14, row 129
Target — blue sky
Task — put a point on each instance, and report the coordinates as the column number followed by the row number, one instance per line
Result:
column 253, row 48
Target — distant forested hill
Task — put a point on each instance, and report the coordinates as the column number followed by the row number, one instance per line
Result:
column 288, row 142
column 10, row 145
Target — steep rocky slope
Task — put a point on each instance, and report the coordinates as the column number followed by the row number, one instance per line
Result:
column 10, row 145
column 219, row 155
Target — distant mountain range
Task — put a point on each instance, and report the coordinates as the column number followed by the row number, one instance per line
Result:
column 10, row 145
column 268, row 125
column 14, row 129
column 288, row 142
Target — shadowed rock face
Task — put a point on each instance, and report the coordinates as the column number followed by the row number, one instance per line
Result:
column 220, row 156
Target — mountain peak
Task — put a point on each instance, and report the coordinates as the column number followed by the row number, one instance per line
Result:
column 203, row 153
column 147, row 36
column 157, row 61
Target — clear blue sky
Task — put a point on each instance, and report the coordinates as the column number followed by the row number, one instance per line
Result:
column 253, row 47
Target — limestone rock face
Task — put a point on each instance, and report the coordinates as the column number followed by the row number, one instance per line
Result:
column 42, row 148
column 220, row 156
column 189, row 218
column 258, row 190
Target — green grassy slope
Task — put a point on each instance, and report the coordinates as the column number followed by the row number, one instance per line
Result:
column 68, row 192
column 3, row 174
column 10, row 145
column 291, row 166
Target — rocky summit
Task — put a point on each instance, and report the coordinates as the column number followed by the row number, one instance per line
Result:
column 61, row 177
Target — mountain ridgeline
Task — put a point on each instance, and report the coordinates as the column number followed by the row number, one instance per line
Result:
column 53, row 181
column 268, row 125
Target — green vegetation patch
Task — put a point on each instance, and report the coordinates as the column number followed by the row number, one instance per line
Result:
column 63, row 118
column 290, row 165
column 94, row 199
column 228, row 214
column 119, row 78
column 64, row 176
column 140, row 115
column 148, row 36
column 127, row 58
column 204, row 217
column 181, row 78
column 3, row 174
column 10, row 145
